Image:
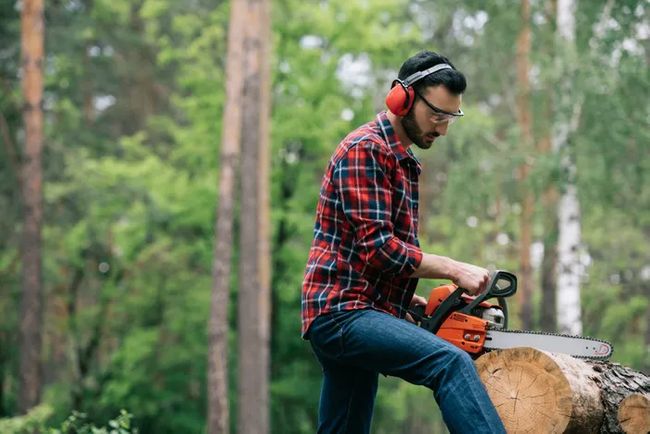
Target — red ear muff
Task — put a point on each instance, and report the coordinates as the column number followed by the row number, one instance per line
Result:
column 402, row 95
column 400, row 98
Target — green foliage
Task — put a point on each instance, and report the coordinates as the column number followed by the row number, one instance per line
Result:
column 37, row 421
column 134, row 100
column 77, row 423
column 33, row 422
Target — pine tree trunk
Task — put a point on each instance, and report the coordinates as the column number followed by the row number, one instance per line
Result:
column 218, row 409
column 31, row 317
column 527, row 201
column 548, row 277
column 254, row 295
column 535, row 391
column 646, row 365
column 548, row 320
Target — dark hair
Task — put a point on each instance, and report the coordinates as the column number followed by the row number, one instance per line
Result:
column 452, row 79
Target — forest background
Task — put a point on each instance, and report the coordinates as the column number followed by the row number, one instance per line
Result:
column 134, row 93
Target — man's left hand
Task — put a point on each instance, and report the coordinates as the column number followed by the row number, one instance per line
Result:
column 418, row 300
column 415, row 301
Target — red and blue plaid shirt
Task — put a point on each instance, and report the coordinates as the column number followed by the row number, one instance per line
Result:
column 365, row 238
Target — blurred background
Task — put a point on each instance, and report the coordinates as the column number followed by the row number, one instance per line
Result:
column 547, row 175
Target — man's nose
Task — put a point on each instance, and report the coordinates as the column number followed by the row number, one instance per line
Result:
column 442, row 128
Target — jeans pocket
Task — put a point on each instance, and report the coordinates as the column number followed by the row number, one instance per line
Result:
column 326, row 336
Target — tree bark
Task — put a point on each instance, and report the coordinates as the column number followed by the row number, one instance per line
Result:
column 254, row 295
column 527, row 200
column 31, row 317
column 535, row 391
column 218, row 409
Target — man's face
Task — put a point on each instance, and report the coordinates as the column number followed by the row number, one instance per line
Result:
column 421, row 125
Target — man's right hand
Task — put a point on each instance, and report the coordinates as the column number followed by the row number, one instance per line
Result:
column 474, row 279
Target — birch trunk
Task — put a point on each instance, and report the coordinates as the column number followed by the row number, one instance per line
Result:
column 569, row 268
column 218, row 409
column 254, row 293
column 31, row 317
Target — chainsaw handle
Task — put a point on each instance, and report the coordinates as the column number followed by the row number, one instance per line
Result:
column 453, row 303
column 491, row 290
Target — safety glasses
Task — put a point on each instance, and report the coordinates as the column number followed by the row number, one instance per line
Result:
column 440, row 116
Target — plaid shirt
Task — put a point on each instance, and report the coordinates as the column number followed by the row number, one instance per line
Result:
column 365, row 237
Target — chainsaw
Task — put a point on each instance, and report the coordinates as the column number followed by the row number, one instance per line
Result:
column 475, row 325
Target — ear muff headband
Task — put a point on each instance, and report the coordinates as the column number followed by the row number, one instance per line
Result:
column 402, row 95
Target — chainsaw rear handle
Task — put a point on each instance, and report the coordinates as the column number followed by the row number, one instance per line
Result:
column 451, row 303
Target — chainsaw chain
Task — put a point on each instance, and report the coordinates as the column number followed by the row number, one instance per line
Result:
column 564, row 335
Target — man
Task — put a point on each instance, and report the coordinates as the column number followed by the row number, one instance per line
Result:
column 365, row 262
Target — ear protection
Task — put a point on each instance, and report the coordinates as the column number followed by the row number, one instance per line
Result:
column 402, row 95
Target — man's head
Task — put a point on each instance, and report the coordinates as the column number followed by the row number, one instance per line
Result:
column 437, row 98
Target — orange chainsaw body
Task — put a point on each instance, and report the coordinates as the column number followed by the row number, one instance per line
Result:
column 467, row 332
column 440, row 293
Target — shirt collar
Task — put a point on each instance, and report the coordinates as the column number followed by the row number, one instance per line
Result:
column 393, row 141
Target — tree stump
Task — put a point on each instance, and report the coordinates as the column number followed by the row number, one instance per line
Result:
column 539, row 392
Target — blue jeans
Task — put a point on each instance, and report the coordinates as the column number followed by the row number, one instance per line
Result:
column 353, row 347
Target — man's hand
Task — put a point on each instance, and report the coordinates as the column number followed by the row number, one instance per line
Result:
column 415, row 301
column 474, row 279
column 418, row 300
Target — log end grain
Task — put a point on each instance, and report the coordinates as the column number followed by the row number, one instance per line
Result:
column 534, row 391
column 634, row 414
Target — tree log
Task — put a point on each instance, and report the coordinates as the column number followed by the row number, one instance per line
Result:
column 535, row 391
column 634, row 413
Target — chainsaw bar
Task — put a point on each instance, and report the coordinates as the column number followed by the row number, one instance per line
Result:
column 576, row 346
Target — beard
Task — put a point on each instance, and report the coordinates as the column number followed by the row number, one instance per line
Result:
column 414, row 132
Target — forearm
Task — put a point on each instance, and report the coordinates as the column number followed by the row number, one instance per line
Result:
column 435, row 267
column 474, row 279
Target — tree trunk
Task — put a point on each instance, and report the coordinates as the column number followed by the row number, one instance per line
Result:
column 548, row 277
column 535, row 391
column 524, row 120
column 646, row 364
column 548, row 319
column 569, row 268
column 254, row 294
column 218, row 409
column 31, row 317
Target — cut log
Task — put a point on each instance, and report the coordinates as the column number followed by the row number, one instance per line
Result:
column 634, row 414
column 617, row 383
column 535, row 391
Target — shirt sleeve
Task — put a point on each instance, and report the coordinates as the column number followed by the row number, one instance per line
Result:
column 363, row 180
